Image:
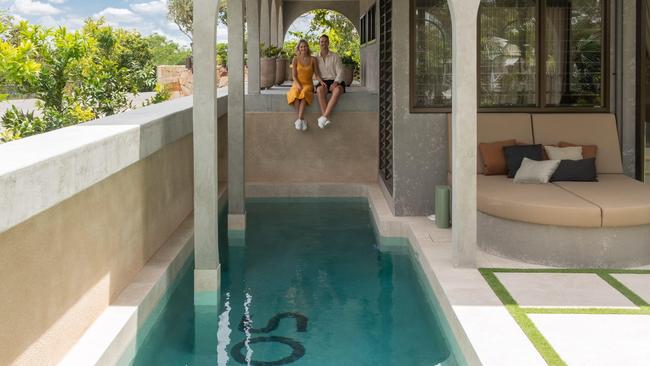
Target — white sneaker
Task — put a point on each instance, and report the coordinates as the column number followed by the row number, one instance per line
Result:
column 298, row 124
column 303, row 124
column 323, row 122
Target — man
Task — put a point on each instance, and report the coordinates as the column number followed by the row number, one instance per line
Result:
column 331, row 70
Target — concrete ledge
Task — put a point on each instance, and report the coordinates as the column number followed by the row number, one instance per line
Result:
column 564, row 246
column 113, row 337
column 41, row 171
column 360, row 101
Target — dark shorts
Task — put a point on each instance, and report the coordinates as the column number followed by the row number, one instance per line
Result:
column 329, row 84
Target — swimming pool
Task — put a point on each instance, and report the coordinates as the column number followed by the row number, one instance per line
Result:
column 309, row 287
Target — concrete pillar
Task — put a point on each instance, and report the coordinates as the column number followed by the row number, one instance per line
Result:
column 281, row 23
column 253, row 45
column 464, row 15
column 274, row 22
column 206, row 244
column 236, row 193
column 265, row 22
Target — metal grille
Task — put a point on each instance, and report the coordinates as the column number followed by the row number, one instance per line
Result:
column 386, row 94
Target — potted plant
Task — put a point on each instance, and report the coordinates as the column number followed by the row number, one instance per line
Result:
column 349, row 68
column 280, row 67
column 267, row 65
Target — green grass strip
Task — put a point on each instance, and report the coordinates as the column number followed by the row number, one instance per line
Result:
column 624, row 290
column 534, row 335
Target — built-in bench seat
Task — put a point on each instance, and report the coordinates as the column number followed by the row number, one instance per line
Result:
column 577, row 224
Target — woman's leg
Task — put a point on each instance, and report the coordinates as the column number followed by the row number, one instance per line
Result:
column 301, row 109
column 296, row 105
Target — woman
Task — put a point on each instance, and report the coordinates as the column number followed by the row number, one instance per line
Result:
column 304, row 67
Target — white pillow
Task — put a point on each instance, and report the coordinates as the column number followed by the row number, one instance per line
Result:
column 533, row 171
column 564, row 153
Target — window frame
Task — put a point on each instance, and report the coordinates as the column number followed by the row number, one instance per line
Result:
column 540, row 40
column 363, row 27
column 413, row 108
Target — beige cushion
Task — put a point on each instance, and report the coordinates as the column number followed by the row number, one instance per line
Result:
column 497, row 127
column 545, row 204
column 563, row 153
column 623, row 200
column 535, row 172
column 583, row 129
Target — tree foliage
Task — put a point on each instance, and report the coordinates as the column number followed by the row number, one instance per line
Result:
column 166, row 52
column 344, row 39
column 181, row 12
column 76, row 76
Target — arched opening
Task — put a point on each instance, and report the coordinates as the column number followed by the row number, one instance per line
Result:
column 343, row 34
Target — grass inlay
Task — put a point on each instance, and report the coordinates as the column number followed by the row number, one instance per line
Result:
column 520, row 314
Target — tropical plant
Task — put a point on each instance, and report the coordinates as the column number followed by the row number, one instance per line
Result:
column 166, row 52
column 222, row 54
column 163, row 94
column 270, row 51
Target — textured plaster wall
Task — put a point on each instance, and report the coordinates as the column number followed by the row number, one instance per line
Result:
column 62, row 267
column 419, row 140
column 293, row 9
column 345, row 152
column 628, row 112
column 370, row 52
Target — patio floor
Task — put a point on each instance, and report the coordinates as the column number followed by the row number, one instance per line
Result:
column 577, row 317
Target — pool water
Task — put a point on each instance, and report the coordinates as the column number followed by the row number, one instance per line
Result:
column 308, row 287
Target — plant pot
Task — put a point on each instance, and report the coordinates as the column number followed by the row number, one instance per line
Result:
column 267, row 72
column 289, row 72
column 348, row 74
column 280, row 70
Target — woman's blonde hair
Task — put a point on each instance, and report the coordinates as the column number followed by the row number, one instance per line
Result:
column 298, row 47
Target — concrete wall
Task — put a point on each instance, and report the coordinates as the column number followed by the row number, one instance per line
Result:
column 345, row 152
column 63, row 262
column 293, row 9
column 419, row 140
column 627, row 115
column 370, row 51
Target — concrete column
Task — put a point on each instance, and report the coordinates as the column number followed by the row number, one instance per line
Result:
column 265, row 22
column 206, row 244
column 236, row 206
column 464, row 15
column 253, row 27
column 281, row 23
column 274, row 22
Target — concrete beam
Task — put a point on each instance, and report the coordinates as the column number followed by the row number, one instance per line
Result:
column 236, row 107
column 206, row 238
column 464, row 15
column 274, row 22
column 265, row 22
column 280, row 23
column 253, row 25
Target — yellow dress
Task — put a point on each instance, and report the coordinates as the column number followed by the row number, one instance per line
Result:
column 305, row 77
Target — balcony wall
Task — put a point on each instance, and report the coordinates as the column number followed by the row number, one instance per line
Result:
column 83, row 209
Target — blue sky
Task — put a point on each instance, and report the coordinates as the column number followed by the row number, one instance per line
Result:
column 145, row 16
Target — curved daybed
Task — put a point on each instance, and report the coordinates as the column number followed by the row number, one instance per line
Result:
column 573, row 224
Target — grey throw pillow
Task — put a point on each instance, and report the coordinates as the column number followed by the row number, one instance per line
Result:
column 532, row 171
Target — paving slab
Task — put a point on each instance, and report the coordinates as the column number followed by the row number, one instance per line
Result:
column 567, row 290
column 597, row 340
column 638, row 283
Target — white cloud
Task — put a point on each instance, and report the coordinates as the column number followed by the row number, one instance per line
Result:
column 29, row 7
column 156, row 7
column 119, row 15
column 56, row 1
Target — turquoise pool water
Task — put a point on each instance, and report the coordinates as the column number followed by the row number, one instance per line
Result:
column 308, row 287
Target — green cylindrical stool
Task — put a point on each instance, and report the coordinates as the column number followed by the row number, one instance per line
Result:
column 442, row 206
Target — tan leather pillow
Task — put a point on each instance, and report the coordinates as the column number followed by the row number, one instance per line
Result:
column 588, row 151
column 494, row 160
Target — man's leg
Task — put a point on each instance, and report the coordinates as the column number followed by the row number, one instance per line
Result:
column 333, row 100
column 321, row 92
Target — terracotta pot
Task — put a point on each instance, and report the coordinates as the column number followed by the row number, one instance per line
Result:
column 288, row 71
column 267, row 72
column 280, row 70
column 348, row 74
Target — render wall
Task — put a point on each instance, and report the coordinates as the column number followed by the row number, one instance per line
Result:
column 419, row 139
column 62, row 266
column 345, row 152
